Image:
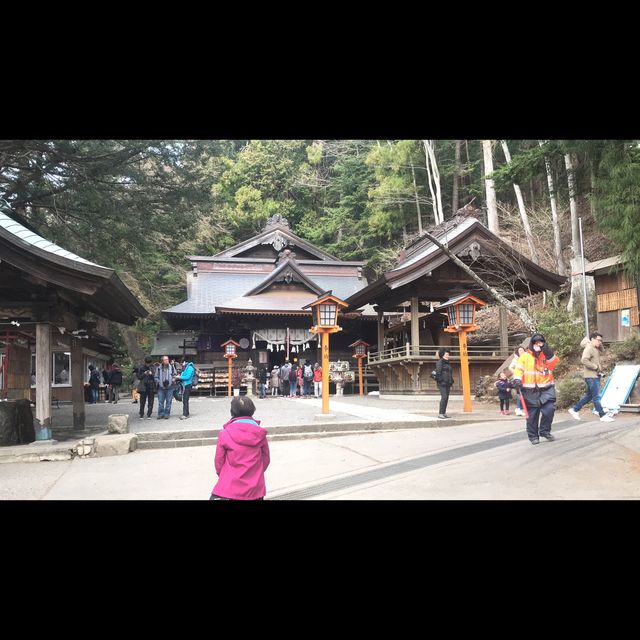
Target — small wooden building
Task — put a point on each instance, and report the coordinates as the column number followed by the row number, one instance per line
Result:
column 426, row 276
column 47, row 341
column 616, row 298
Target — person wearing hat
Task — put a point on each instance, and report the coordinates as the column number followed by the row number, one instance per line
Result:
column 444, row 378
column 533, row 375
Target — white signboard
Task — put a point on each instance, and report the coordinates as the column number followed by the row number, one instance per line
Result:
column 624, row 318
column 619, row 385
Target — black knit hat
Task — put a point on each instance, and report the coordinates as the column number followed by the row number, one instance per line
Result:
column 537, row 337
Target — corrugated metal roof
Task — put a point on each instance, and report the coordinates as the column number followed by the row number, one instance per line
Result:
column 605, row 263
column 210, row 290
column 291, row 301
column 33, row 239
column 429, row 247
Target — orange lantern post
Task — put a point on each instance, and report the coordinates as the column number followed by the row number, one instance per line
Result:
column 325, row 315
column 461, row 312
column 359, row 351
column 230, row 347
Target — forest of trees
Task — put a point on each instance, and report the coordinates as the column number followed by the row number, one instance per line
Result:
column 141, row 206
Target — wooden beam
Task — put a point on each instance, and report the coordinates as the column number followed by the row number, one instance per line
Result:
column 380, row 331
column 504, row 333
column 43, row 381
column 77, row 383
column 415, row 326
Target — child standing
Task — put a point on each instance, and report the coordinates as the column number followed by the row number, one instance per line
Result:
column 242, row 455
column 504, row 393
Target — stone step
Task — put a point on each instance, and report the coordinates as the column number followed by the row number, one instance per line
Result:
column 328, row 427
column 298, row 435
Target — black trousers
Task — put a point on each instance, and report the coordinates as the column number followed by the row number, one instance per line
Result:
column 186, row 392
column 285, row 387
column 544, row 415
column 445, row 390
column 144, row 396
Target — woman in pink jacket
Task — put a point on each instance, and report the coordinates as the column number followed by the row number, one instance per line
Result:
column 242, row 455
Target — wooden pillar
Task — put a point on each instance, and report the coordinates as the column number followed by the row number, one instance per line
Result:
column 415, row 327
column 43, row 381
column 77, row 383
column 325, row 372
column 464, row 373
column 380, row 332
column 504, row 334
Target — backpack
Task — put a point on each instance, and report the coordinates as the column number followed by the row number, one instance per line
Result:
column 194, row 380
column 434, row 375
column 308, row 372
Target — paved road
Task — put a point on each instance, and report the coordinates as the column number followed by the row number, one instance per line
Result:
column 490, row 460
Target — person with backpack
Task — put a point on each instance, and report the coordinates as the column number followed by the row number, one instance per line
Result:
column 165, row 376
column 186, row 377
column 94, row 383
column 307, row 376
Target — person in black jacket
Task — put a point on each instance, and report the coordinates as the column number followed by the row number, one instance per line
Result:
column 262, row 380
column 444, row 378
column 146, row 386
column 115, row 380
column 94, row 384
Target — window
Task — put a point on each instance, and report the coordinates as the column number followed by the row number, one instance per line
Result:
column 466, row 313
column 328, row 314
column 61, row 368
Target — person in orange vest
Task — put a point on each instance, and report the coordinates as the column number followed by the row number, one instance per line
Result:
column 533, row 375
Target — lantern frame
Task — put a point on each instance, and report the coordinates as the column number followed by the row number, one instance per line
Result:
column 326, row 311
column 461, row 313
column 230, row 347
column 359, row 349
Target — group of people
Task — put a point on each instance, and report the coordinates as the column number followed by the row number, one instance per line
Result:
column 531, row 372
column 291, row 380
column 162, row 379
column 112, row 380
column 151, row 379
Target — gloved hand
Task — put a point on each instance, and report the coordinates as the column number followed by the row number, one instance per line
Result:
column 547, row 351
column 516, row 383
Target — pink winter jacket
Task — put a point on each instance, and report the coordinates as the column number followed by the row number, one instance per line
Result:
column 242, row 456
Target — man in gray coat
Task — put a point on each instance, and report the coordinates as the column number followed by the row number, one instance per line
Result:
column 592, row 372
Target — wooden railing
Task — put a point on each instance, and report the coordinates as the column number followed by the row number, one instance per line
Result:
column 430, row 352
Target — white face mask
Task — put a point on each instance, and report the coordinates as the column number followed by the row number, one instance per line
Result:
column 536, row 347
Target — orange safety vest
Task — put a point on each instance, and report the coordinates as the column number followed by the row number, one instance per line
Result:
column 531, row 370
